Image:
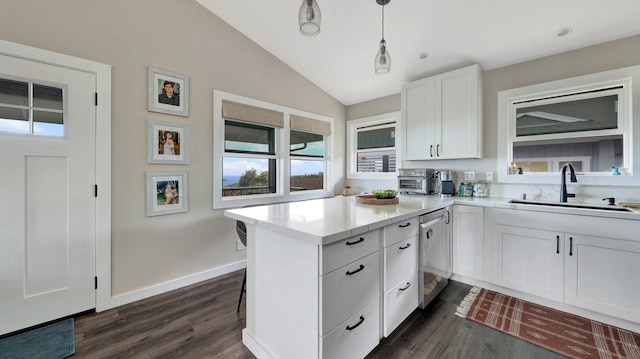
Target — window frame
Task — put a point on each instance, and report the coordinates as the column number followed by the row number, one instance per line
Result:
column 282, row 156
column 628, row 108
column 352, row 146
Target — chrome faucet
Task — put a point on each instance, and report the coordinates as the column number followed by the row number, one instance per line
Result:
column 563, row 182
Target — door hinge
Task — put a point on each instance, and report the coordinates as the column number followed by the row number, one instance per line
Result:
column 96, row 99
column 96, row 282
column 95, row 190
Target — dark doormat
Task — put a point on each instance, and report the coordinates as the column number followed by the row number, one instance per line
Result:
column 53, row 341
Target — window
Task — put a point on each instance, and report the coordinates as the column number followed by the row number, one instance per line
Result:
column 372, row 144
column 251, row 138
column 30, row 108
column 585, row 121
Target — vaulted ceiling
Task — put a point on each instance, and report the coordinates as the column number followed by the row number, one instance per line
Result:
column 423, row 37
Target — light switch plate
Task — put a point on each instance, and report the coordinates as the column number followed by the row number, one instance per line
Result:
column 489, row 176
column 469, row 176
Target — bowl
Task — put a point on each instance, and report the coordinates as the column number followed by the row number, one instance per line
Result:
column 384, row 193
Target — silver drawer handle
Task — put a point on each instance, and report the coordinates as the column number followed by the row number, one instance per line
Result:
column 405, row 287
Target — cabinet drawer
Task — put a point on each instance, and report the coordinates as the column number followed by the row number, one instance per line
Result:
column 400, row 260
column 338, row 254
column 349, row 289
column 398, row 231
column 400, row 302
column 355, row 337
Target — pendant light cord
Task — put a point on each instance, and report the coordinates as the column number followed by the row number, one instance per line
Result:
column 382, row 22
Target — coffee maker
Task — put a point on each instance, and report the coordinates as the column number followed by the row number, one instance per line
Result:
column 444, row 183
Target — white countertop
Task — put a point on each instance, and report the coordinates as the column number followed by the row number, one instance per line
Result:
column 331, row 219
column 327, row 220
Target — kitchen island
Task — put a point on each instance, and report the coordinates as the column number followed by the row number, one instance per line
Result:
column 297, row 307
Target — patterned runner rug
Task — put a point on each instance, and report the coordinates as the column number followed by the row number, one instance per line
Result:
column 563, row 333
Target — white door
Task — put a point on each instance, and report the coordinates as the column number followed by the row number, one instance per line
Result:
column 47, row 211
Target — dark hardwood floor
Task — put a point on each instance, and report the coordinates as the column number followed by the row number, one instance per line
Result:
column 200, row 321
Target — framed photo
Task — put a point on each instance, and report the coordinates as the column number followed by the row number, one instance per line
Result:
column 167, row 193
column 168, row 143
column 168, row 92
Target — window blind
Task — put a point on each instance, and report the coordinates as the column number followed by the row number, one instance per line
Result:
column 308, row 125
column 252, row 114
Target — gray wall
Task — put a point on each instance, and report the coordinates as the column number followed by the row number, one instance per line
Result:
column 183, row 37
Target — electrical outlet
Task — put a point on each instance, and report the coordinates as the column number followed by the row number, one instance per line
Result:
column 489, row 176
column 469, row 176
column 239, row 245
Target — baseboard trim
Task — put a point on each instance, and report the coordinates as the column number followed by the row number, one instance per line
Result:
column 160, row 288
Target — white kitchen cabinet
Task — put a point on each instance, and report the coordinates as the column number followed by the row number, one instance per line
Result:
column 528, row 260
column 442, row 116
column 468, row 241
column 400, row 278
column 585, row 261
column 601, row 274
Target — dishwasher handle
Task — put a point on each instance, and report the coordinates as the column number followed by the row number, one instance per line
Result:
column 431, row 222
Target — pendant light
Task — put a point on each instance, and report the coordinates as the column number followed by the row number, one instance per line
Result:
column 309, row 18
column 383, row 60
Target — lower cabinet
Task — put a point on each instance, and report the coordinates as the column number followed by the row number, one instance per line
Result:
column 468, row 241
column 528, row 260
column 355, row 337
column 603, row 275
column 588, row 262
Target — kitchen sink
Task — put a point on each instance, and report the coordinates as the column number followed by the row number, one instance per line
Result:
column 572, row 205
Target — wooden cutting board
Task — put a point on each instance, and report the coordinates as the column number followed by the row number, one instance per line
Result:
column 629, row 205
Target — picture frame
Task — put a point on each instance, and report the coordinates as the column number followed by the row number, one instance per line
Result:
column 167, row 143
column 167, row 193
column 174, row 99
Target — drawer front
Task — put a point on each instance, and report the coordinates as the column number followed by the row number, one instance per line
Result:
column 400, row 260
column 400, row 302
column 349, row 289
column 338, row 254
column 396, row 232
column 355, row 337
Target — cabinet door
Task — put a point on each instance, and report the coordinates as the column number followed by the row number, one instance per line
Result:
column 529, row 260
column 418, row 114
column 602, row 275
column 400, row 261
column 468, row 241
column 458, row 129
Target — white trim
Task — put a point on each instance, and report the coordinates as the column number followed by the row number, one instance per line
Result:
column 282, row 155
column 167, row 286
column 103, row 155
column 352, row 143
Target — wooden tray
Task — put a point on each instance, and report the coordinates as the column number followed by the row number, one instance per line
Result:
column 370, row 199
column 629, row 205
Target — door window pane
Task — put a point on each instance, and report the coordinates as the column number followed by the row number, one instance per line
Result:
column 306, row 175
column 47, row 97
column 306, row 144
column 14, row 92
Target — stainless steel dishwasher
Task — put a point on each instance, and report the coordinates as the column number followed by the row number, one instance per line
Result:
column 435, row 254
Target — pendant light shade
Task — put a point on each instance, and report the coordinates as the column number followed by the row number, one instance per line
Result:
column 383, row 60
column 309, row 18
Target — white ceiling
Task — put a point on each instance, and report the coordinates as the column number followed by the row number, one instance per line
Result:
column 454, row 33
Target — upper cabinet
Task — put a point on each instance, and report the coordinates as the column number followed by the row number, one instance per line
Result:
column 442, row 116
